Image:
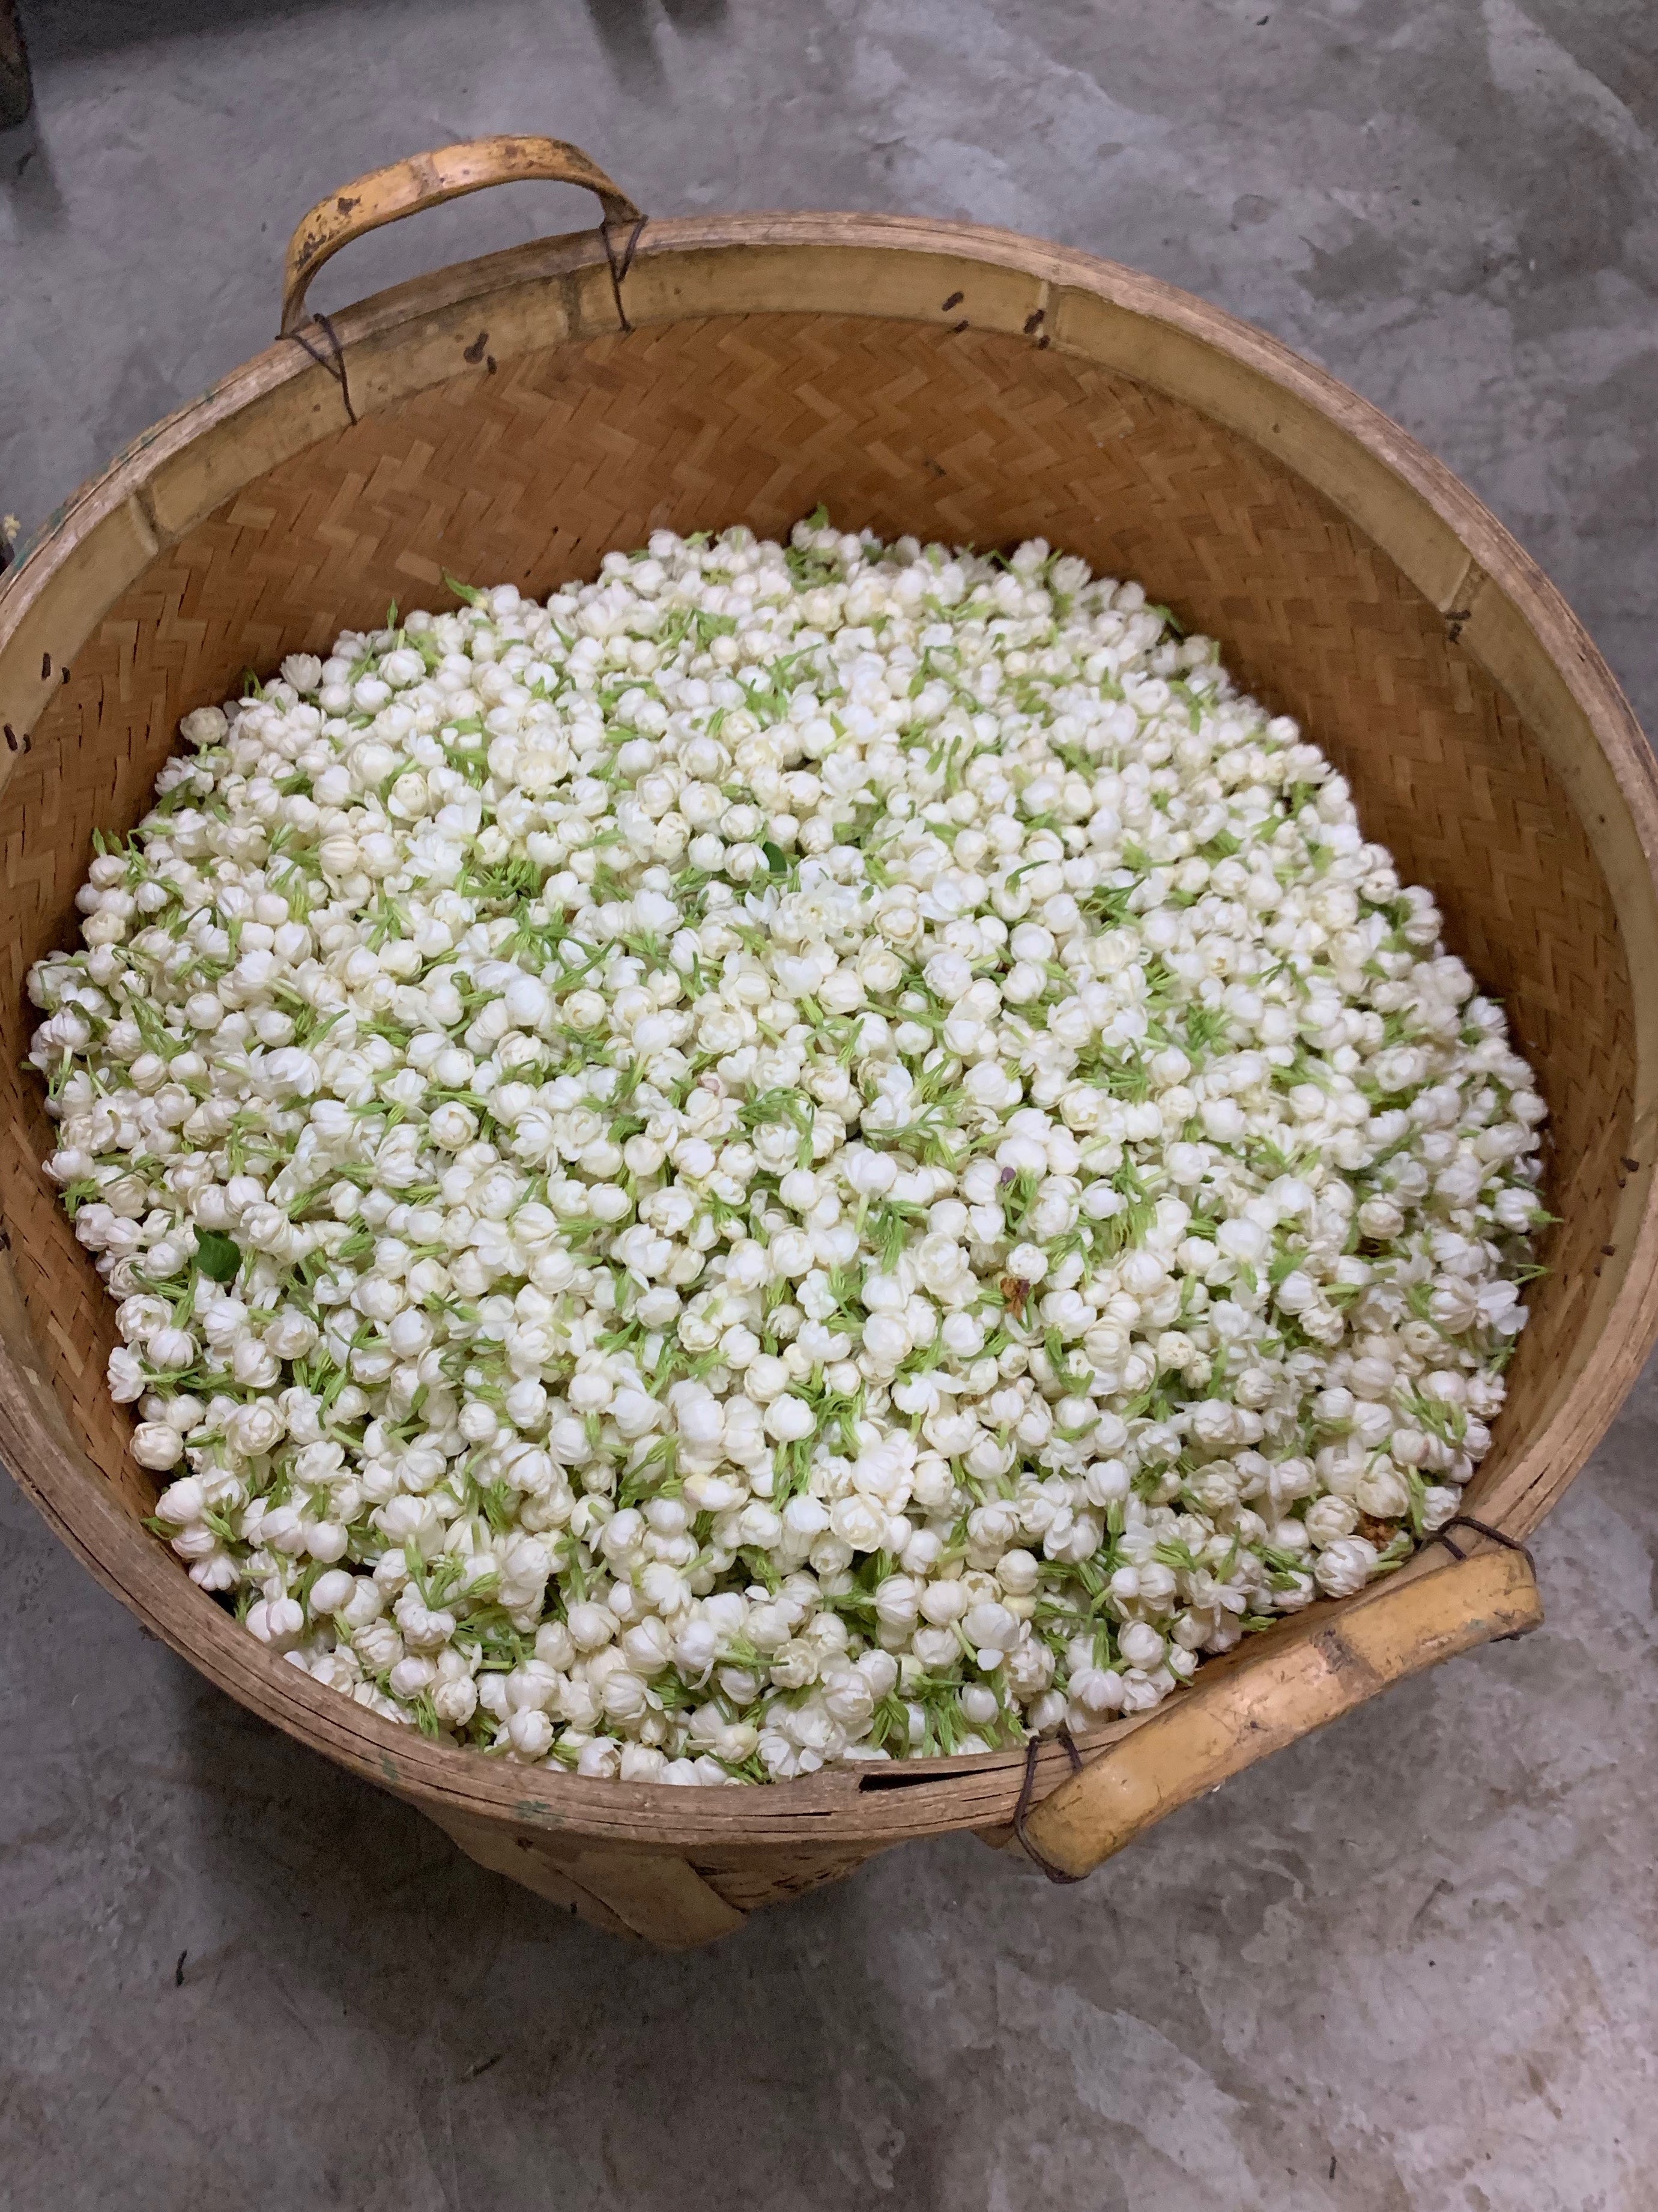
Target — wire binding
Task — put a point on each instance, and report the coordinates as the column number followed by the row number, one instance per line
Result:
column 1032, row 1751
column 336, row 367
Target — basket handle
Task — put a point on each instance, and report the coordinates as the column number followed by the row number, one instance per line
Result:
column 426, row 180
column 1320, row 1670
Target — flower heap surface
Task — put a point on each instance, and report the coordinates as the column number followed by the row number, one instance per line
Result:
column 803, row 1153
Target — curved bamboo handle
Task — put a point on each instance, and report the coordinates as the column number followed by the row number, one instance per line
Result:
column 425, row 181
column 1217, row 1728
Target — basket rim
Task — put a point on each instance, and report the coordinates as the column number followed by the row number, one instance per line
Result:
column 92, row 547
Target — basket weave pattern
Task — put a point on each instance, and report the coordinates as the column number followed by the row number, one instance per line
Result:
column 531, row 475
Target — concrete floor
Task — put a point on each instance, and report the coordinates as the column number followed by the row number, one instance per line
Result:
column 1407, row 1965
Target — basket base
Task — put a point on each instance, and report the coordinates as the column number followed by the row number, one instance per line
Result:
column 656, row 1897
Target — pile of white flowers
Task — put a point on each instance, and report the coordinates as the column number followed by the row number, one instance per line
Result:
column 804, row 1153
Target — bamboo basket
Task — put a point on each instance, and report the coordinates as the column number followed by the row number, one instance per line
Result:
column 517, row 416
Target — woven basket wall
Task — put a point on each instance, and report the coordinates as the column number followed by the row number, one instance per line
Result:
column 1521, row 802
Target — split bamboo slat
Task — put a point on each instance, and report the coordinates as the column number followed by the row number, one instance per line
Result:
column 517, row 416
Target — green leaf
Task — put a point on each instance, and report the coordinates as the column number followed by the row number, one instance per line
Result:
column 218, row 1257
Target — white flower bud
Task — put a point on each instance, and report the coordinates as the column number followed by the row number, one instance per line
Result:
column 157, row 1444
column 1344, row 1566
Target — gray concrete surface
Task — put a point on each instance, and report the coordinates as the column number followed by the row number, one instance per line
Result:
column 1406, row 1966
